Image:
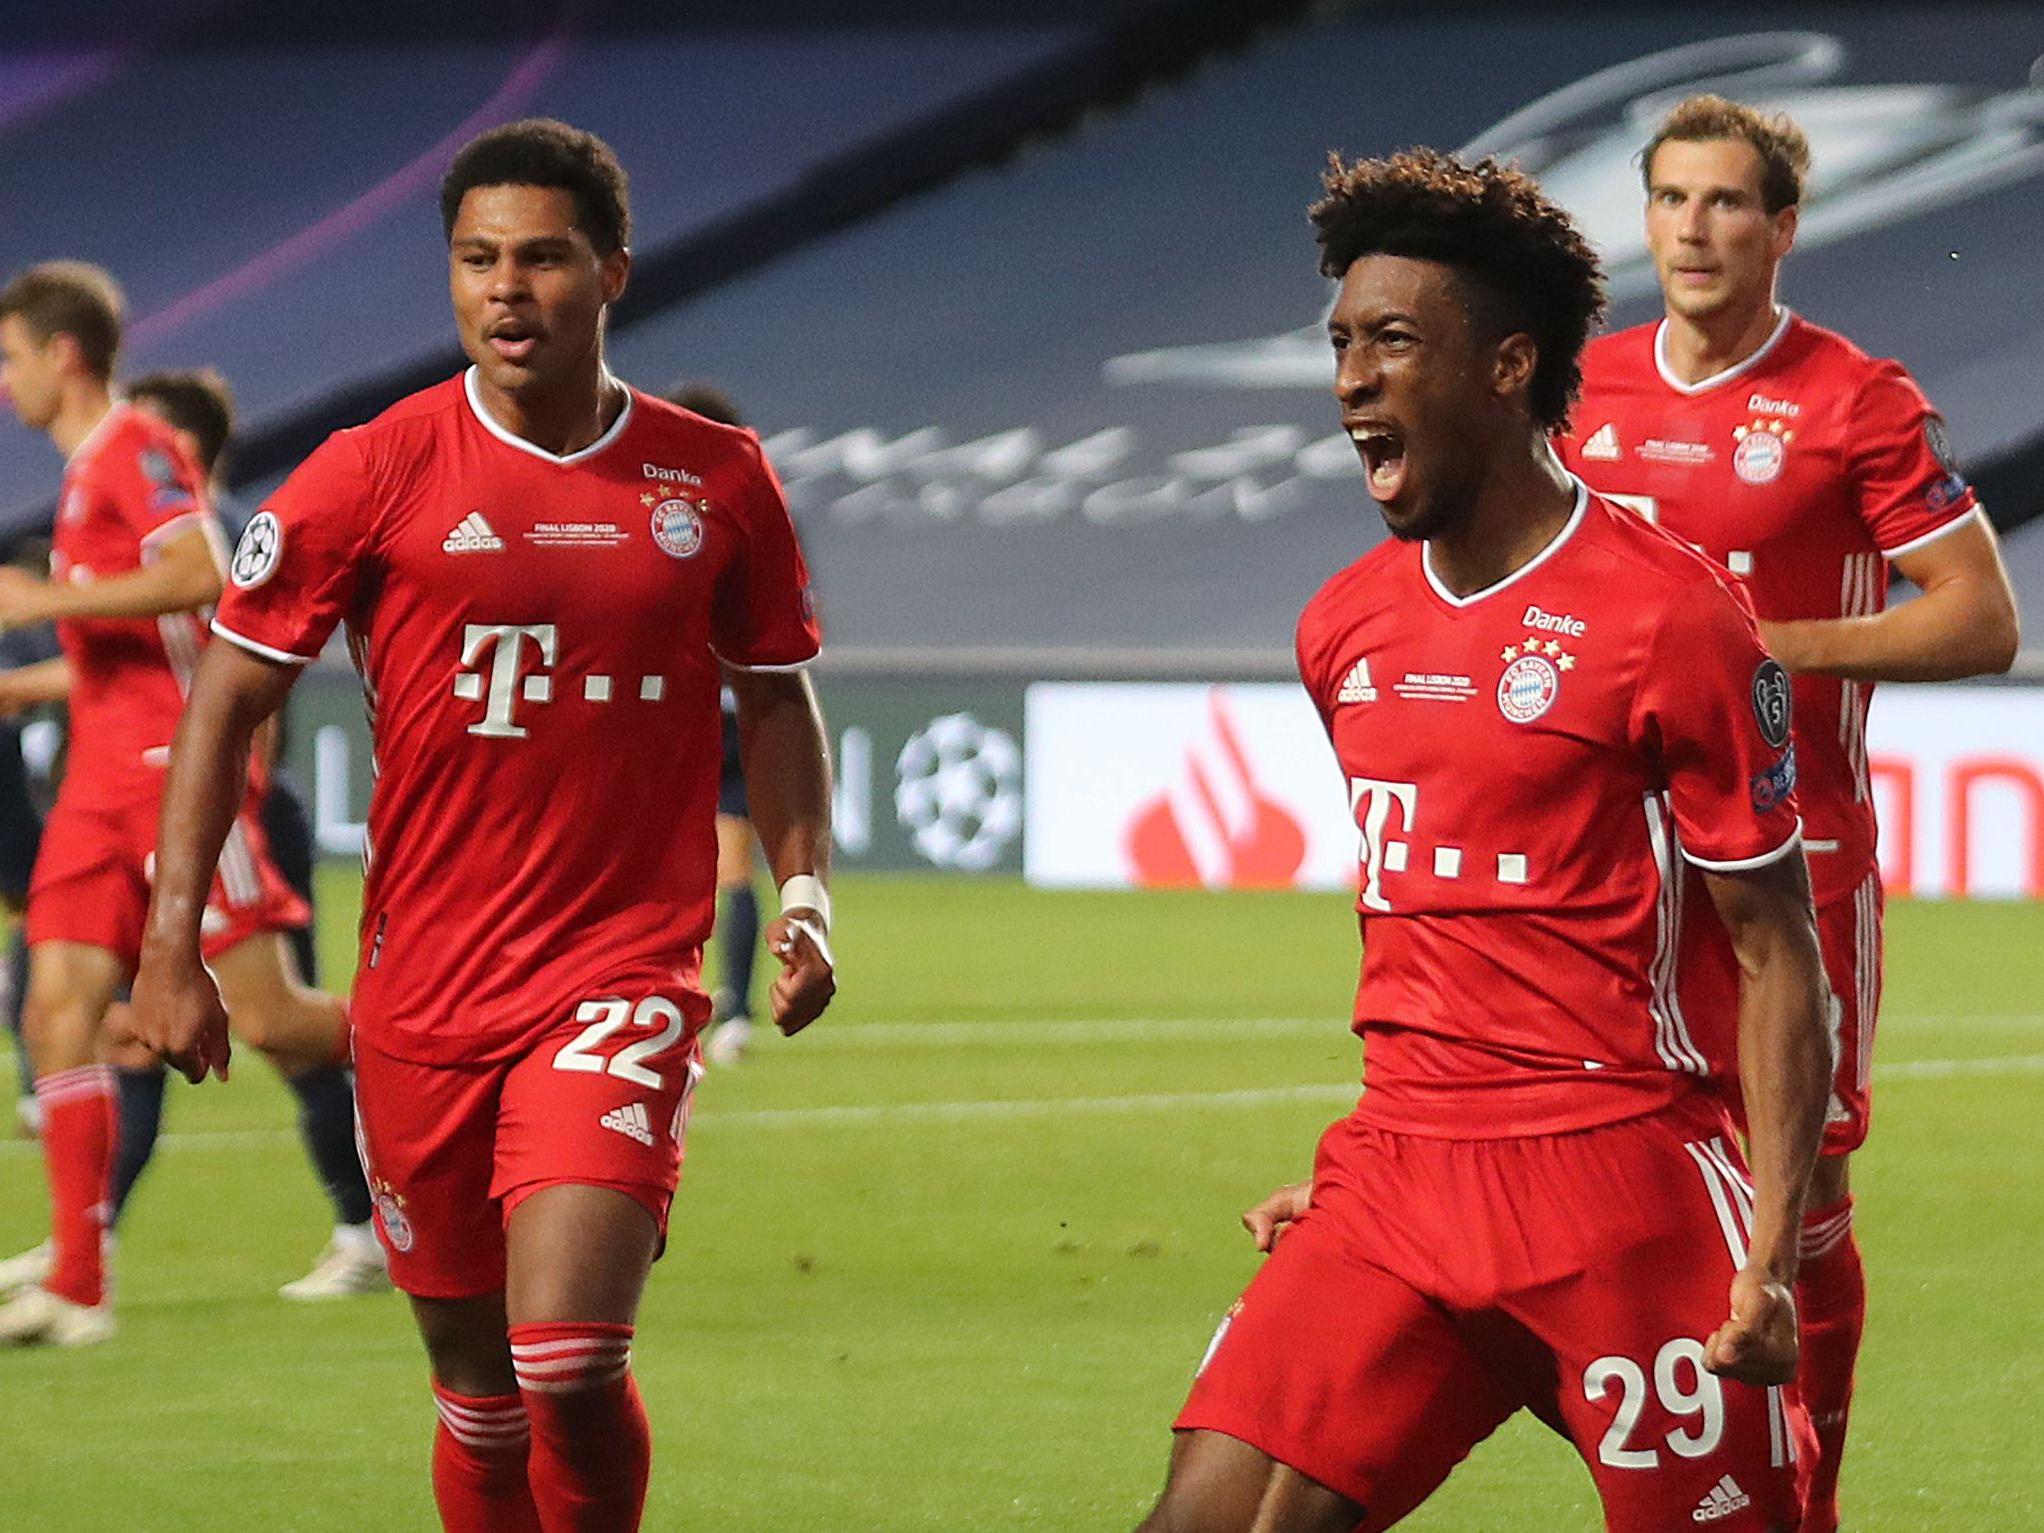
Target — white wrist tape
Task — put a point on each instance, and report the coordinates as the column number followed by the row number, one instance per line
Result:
column 805, row 891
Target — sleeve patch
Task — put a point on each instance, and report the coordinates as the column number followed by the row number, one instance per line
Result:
column 1775, row 783
column 1771, row 702
column 257, row 554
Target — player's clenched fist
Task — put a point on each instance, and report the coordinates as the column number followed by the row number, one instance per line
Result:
column 1757, row 1345
column 808, row 977
column 178, row 1017
column 1266, row 1221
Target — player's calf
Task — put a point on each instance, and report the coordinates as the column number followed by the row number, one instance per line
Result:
column 591, row 1446
column 480, row 1449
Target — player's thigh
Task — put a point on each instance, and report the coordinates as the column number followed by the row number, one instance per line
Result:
column 428, row 1138
column 467, row 1343
column 270, row 1010
column 1670, row 1444
column 70, row 987
column 1345, row 1373
column 601, row 1102
column 1220, row 1484
column 578, row 1253
column 1849, row 933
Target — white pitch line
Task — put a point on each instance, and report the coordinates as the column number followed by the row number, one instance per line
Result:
column 1050, row 1107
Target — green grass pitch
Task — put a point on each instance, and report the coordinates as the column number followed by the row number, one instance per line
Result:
column 947, row 1261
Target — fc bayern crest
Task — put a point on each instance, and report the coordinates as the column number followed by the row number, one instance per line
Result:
column 678, row 528
column 1527, row 689
column 390, row 1209
column 1762, row 451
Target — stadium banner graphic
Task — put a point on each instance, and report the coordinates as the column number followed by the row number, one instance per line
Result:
column 1135, row 785
column 929, row 773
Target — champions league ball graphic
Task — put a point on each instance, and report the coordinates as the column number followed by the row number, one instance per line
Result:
column 960, row 791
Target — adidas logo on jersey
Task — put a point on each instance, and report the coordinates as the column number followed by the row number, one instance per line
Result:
column 1603, row 444
column 473, row 536
column 631, row 1121
column 1355, row 687
column 1724, row 1499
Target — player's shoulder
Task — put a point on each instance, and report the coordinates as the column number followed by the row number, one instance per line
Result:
column 423, row 413
column 1619, row 356
column 1647, row 565
column 1841, row 361
column 1360, row 586
column 708, row 443
column 134, row 441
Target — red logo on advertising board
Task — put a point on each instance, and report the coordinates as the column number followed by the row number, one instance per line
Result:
column 1214, row 828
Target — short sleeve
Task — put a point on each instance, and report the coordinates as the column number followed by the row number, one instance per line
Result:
column 1312, row 645
column 1713, row 714
column 1908, row 484
column 296, row 569
column 765, row 617
column 167, row 497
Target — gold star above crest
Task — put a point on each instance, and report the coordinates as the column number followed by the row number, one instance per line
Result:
column 1552, row 647
column 649, row 500
column 1568, row 662
column 1511, row 652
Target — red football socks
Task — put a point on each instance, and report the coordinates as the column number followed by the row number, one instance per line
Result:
column 479, row 1464
column 591, row 1448
column 79, row 1129
column 1831, row 1296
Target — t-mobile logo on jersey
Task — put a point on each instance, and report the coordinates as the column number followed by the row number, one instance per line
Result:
column 509, row 682
column 1372, row 801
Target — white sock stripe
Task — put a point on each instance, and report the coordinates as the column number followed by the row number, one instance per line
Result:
column 502, row 1429
column 472, row 1439
column 1831, row 1222
column 79, row 1076
column 568, row 1386
column 469, row 1416
column 560, row 1367
column 78, row 1092
column 571, row 1344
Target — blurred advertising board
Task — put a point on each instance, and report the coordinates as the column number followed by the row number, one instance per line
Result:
column 1233, row 786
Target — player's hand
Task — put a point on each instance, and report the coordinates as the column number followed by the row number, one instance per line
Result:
column 20, row 598
column 1757, row 1345
column 1268, row 1219
column 178, row 1017
column 808, row 977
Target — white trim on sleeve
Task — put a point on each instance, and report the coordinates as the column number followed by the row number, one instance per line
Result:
column 159, row 535
column 793, row 665
column 1934, row 534
column 1746, row 864
column 255, row 648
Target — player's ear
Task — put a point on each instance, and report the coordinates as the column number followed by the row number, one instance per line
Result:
column 1785, row 230
column 1512, row 370
column 617, row 271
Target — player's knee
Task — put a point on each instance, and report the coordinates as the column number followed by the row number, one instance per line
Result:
column 581, row 1373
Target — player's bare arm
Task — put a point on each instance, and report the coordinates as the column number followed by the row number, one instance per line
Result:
column 1964, row 623
column 182, row 573
column 177, row 1009
column 46, row 681
column 1785, row 1072
column 787, row 782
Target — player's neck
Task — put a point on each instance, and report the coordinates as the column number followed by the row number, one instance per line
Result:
column 561, row 421
column 1520, row 510
column 85, row 404
column 1703, row 347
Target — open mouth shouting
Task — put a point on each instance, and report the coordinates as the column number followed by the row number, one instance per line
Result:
column 1381, row 446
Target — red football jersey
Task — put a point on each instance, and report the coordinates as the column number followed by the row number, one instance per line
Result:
column 538, row 637
column 1800, row 470
column 128, row 489
column 1532, row 768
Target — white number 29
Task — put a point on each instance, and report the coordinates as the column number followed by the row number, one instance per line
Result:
column 1705, row 1399
column 606, row 1017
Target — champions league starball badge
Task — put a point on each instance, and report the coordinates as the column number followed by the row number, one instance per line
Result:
column 256, row 555
column 678, row 528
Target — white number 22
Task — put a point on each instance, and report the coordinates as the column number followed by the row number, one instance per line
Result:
column 606, row 1017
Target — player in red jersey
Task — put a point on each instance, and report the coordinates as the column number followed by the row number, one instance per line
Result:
column 135, row 564
column 1808, row 468
column 541, row 571
column 1557, row 727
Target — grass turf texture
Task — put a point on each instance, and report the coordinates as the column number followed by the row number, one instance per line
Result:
column 974, row 1317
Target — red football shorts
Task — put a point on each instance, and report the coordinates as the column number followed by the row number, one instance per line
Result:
column 1436, row 1286
column 91, row 880
column 600, row 1100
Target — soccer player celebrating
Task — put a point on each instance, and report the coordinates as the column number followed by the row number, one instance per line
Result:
column 541, row 571
column 135, row 566
column 1554, row 722
column 1806, row 467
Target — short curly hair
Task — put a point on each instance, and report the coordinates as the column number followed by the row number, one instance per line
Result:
column 1783, row 147
column 540, row 151
column 1525, row 265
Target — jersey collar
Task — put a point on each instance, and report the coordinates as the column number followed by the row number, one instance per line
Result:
column 1735, row 370
column 1568, row 530
column 512, row 439
column 93, row 439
